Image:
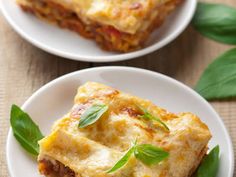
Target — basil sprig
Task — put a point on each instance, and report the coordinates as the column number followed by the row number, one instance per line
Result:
column 26, row 132
column 146, row 153
column 92, row 114
column 218, row 80
column 147, row 115
column 209, row 165
column 123, row 160
column 150, row 154
column 216, row 21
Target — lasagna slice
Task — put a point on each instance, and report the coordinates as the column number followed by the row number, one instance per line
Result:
column 116, row 25
column 70, row 151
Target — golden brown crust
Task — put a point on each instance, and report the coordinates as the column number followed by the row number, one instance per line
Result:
column 201, row 156
column 95, row 148
column 106, row 36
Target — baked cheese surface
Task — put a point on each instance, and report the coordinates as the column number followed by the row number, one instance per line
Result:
column 93, row 150
column 127, row 16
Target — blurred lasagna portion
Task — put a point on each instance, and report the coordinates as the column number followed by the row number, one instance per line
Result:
column 70, row 151
column 116, row 25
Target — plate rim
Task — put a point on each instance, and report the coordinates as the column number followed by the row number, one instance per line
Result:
column 126, row 68
column 99, row 59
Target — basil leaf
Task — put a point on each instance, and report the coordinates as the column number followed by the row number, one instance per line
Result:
column 92, row 114
column 216, row 21
column 150, row 154
column 25, row 130
column 123, row 160
column 209, row 165
column 149, row 116
column 146, row 153
column 219, row 79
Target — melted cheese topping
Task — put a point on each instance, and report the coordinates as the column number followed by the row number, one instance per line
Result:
column 92, row 150
column 127, row 16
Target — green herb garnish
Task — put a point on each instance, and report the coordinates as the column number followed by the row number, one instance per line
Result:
column 92, row 114
column 209, row 165
column 146, row 153
column 216, row 21
column 147, row 115
column 26, row 132
column 218, row 80
column 150, row 154
column 123, row 160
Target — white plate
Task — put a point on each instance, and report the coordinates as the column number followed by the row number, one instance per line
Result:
column 70, row 45
column 54, row 99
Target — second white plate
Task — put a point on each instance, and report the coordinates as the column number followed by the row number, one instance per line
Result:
column 70, row 45
column 54, row 99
